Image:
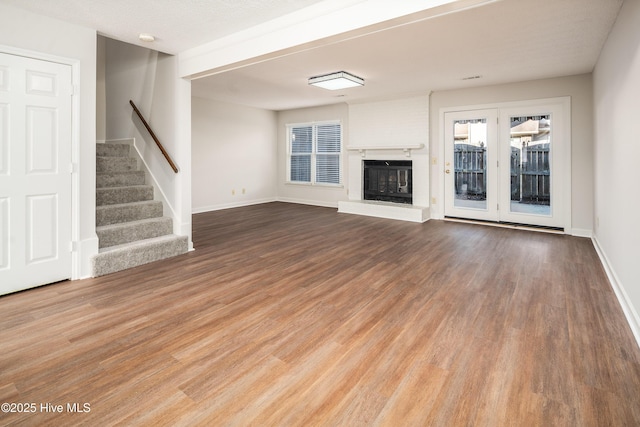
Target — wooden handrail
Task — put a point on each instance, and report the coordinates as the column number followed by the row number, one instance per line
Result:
column 155, row 138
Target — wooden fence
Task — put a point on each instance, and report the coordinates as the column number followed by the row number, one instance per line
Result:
column 530, row 175
column 470, row 170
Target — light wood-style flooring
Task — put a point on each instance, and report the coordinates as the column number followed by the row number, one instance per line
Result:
column 293, row 315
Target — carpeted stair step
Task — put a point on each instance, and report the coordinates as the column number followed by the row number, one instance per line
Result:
column 129, row 255
column 113, row 214
column 116, row 164
column 113, row 150
column 118, row 195
column 119, row 179
column 130, row 225
column 126, row 232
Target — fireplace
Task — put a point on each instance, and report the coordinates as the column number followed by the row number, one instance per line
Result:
column 388, row 181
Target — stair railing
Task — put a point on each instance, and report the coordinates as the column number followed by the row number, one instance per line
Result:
column 155, row 138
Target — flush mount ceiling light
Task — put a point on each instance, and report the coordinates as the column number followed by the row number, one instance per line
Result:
column 144, row 37
column 337, row 80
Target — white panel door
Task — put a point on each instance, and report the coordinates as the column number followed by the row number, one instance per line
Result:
column 35, row 172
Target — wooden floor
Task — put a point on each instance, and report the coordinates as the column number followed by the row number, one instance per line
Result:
column 289, row 315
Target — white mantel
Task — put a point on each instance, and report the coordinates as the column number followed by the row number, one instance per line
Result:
column 406, row 148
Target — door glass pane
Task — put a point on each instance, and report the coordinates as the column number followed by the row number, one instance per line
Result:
column 470, row 163
column 530, row 165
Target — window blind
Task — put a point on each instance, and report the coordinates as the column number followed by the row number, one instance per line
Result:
column 328, row 154
column 301, row 151
column 315, row 153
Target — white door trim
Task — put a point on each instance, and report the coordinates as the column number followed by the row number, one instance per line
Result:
column 564, row 101
column 76, row 270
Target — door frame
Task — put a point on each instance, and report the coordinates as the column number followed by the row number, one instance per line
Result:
column 563, row 102
column 74, row 163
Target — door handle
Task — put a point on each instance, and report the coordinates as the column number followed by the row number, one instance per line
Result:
column 447, row 171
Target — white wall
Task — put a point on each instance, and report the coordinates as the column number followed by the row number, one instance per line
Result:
column 43, row 35
column 579, row 88
column 237, row 147
column 391, row 123
column 150, row 79
column 233, row 155
column 130, row 73
column 319, row 195
column 616, row 81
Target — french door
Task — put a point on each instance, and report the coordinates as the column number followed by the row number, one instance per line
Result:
column 507, row 164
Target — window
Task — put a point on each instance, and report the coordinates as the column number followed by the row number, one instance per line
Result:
column 315, row 153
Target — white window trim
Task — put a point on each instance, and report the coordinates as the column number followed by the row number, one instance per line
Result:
column 313, row 182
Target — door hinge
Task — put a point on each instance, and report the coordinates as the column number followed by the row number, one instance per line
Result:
column 73, row 167
column 498, row 206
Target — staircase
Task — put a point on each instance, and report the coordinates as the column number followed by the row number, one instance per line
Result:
column 130, row 225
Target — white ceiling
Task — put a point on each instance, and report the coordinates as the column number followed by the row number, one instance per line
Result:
column 504, row 41
column 177, row 24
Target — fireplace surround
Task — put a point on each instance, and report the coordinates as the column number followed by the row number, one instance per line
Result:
column 392, row 205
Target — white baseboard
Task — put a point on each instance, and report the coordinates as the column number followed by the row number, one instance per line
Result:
column 579, row 232
column 308, row 202
column 627, row 307
column 81, row 257
column 222, row 206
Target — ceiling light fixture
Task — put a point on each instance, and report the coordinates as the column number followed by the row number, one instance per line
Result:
column 144, row 37
column 337, row 80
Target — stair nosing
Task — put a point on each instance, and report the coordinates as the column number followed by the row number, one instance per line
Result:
column 120, row 172
column 117, row 205
column 141, row 243
column 133, row 223
column 125, row 186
